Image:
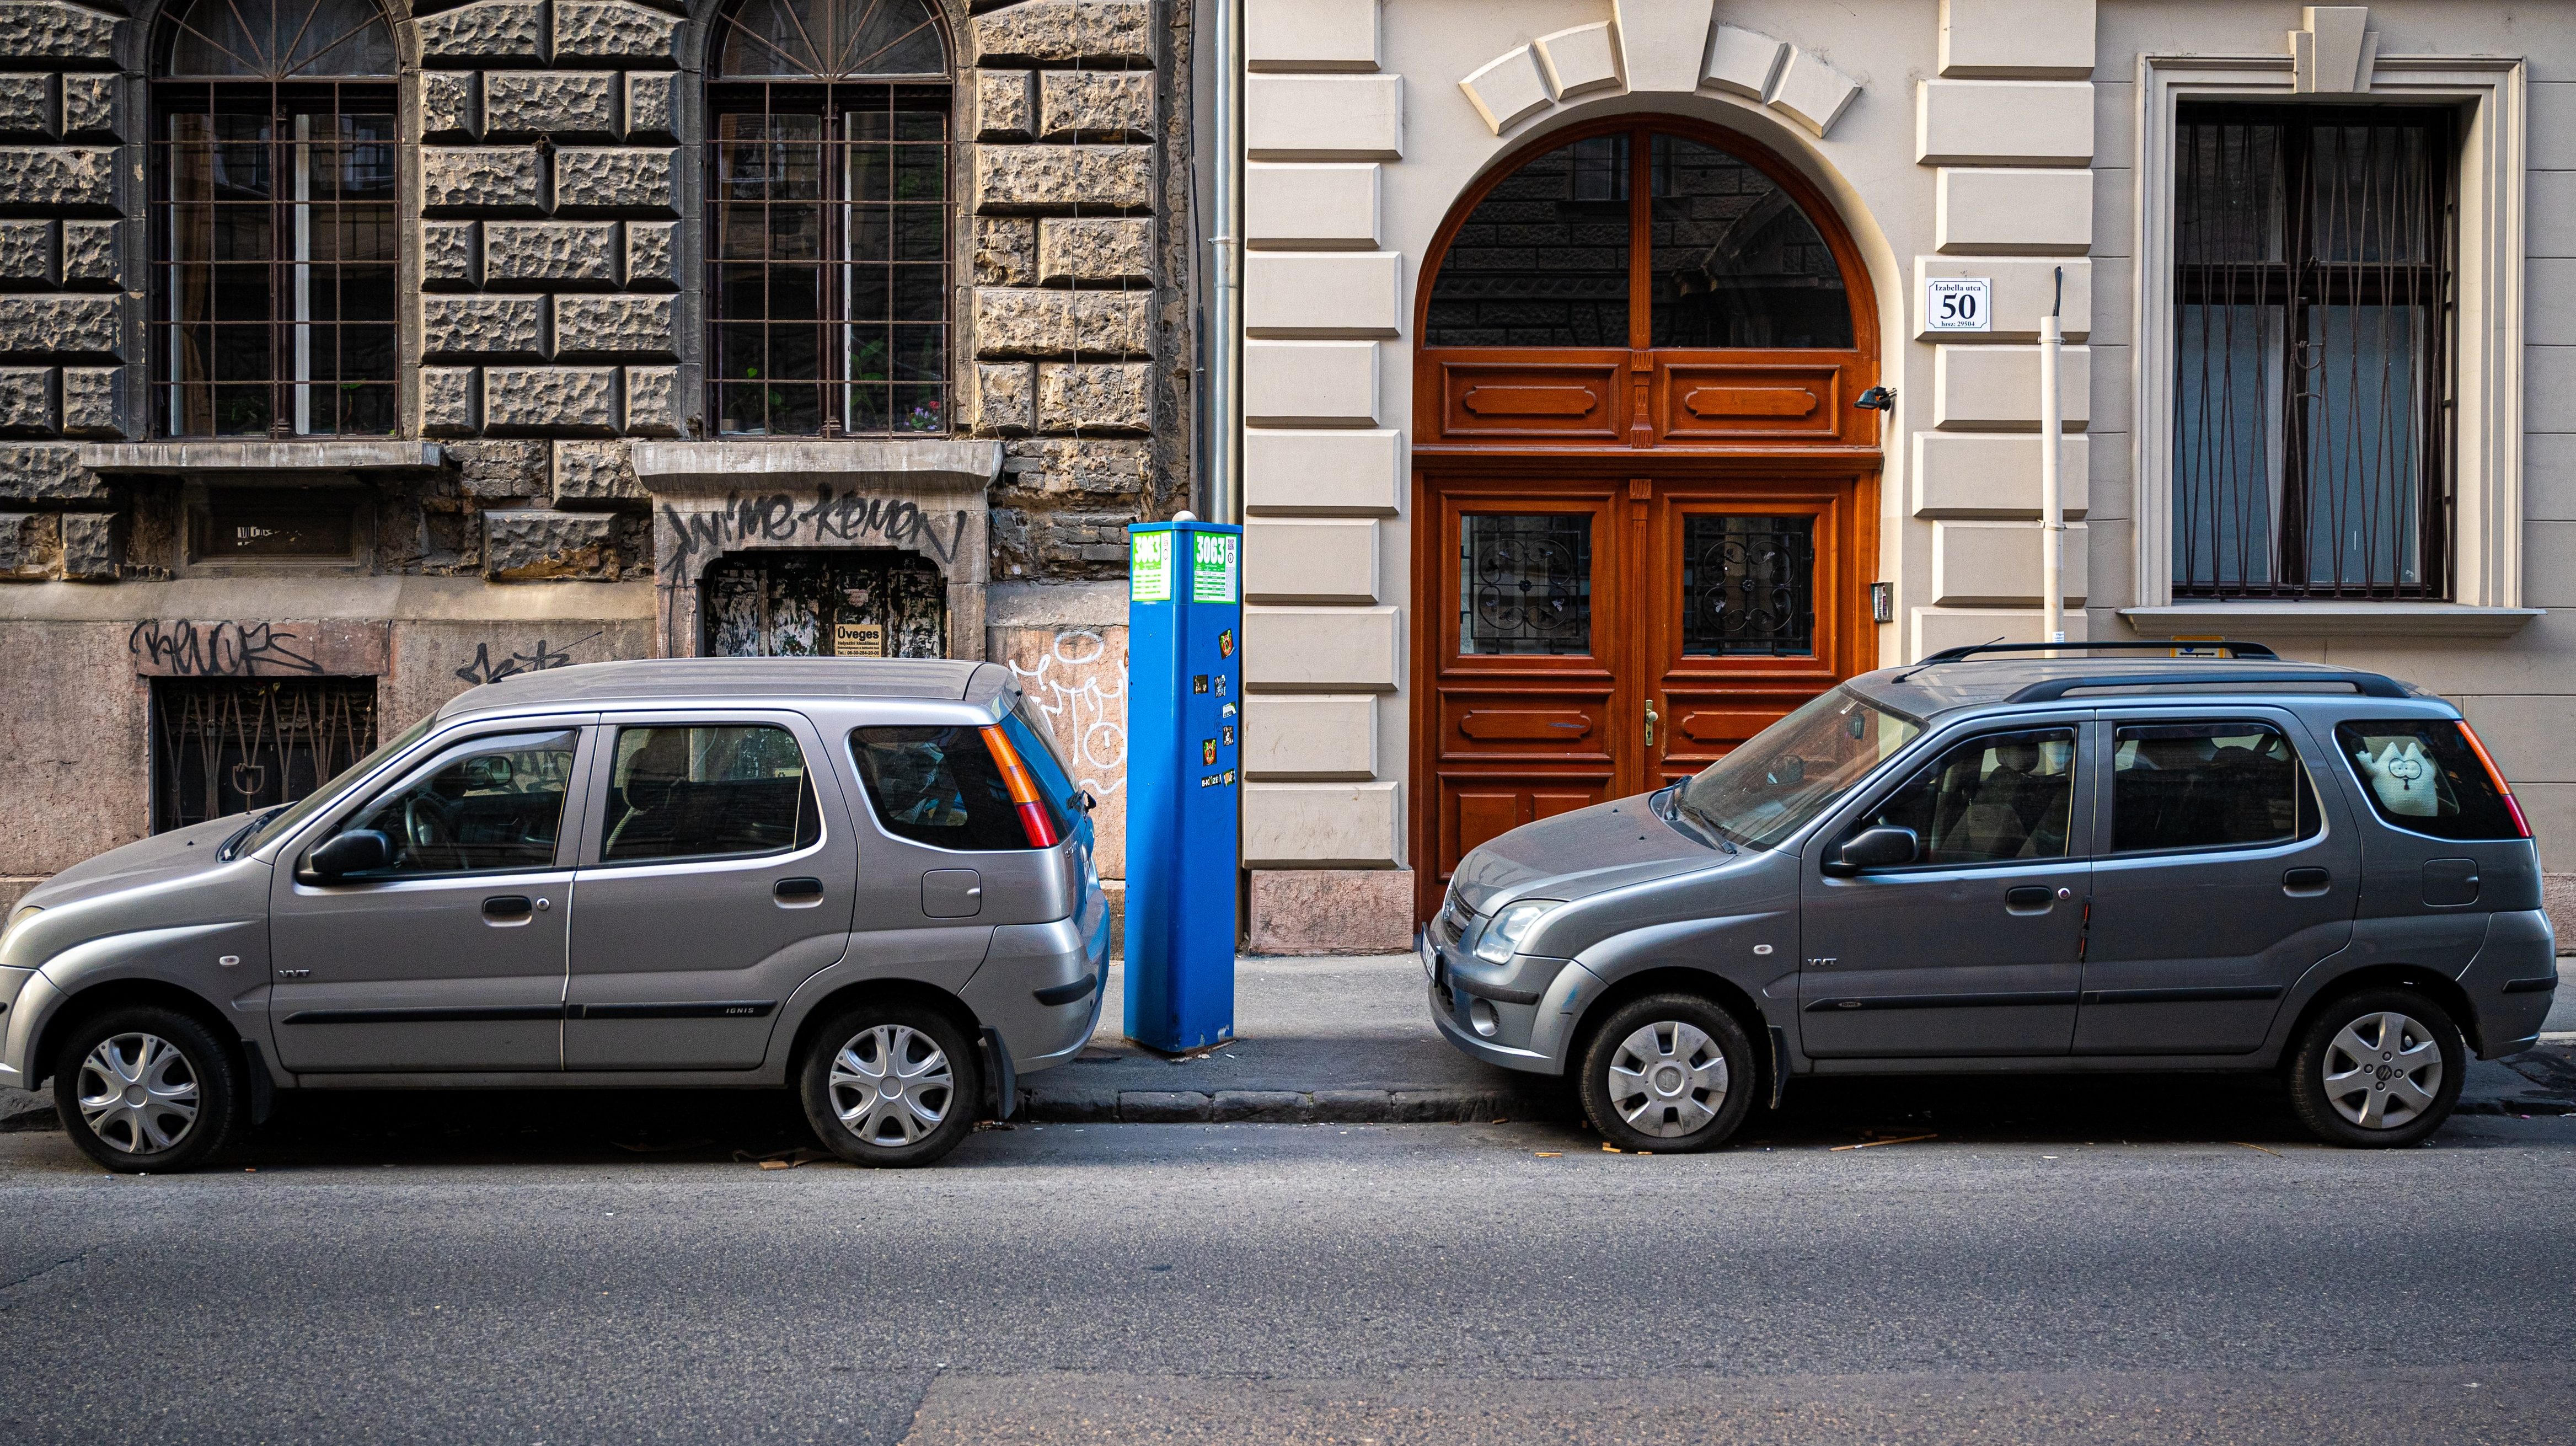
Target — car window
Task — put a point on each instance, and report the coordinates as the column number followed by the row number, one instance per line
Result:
column 704, row 792
column 941, row 784
column 494, row 803
column 2423, row 775
column 2207, row 785
column 1036, row 747
column 288, row 819
column 1991, row 798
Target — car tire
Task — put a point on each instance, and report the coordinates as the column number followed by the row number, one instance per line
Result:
column 2377, row 1069
column 147, row 1090
column 1669, row 1072
column 911, row 1115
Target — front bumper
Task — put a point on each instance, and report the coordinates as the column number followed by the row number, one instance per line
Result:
column 1448, row 1008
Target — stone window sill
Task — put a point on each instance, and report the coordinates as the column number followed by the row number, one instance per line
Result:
column 925, row 461
column 2252, row 620
column 378, row 455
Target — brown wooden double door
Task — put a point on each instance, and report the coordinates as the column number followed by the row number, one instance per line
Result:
column 1583, row 638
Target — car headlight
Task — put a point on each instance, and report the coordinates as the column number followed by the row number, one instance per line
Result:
column 1502, row 938
column 16, row 917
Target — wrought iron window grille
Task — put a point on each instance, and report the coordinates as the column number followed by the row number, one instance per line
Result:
column 2315, row 311
column 223, row 746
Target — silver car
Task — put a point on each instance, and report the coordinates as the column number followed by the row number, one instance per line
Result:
column 1991, row 862
column 870, row 882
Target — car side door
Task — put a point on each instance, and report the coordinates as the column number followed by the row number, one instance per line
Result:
column 451, row 956
column 1971, row 947
column 2222, row 878
column 717, row 874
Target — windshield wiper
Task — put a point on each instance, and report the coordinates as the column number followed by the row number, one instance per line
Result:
column 258, row 822
column 1679, row 807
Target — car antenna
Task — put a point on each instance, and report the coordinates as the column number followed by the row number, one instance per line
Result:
column 1988, row 643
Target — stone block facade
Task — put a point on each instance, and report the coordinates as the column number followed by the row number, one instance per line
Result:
column 554, row 318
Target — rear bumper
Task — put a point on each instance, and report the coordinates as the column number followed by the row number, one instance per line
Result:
column 2512, row 981
column 1042, row 986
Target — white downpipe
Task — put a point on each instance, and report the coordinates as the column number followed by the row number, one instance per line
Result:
column 1225, row 359
column 2052, row 515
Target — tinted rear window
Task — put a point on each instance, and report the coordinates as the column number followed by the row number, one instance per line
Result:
column 937, row 785
column 2422, row 777
column 2206, row 786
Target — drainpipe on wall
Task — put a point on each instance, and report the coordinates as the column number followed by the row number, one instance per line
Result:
column 1225, row 315
column 2052, row 517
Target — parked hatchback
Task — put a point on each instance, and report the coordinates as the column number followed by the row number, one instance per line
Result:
column 870, row 882
column 1994, row 862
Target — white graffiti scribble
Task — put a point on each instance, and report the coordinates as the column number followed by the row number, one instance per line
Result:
column 1085, row 706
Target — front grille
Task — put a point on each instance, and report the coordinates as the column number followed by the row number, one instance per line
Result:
column 1455, row 919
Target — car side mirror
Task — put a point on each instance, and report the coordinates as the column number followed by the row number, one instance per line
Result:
column 358, row 851
column 1882, row 847
column 1088, row 803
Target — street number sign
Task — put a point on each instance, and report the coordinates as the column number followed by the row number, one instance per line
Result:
column 1958, row 303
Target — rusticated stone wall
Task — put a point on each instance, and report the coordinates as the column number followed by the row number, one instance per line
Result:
column 553, row 310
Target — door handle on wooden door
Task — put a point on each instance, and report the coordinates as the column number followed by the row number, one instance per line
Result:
column 1651, row 717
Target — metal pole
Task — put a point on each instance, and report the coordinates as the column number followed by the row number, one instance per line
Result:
column 2052, row 517
column 1225, row 316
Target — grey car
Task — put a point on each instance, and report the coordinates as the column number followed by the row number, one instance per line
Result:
column 1998, row 862
column 867, row 881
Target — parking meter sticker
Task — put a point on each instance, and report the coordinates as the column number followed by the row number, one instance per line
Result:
column 1207, row 750
column 1198, row 684
column 1229, row 775
column 1225, row 643
column 1149, row 567
column 1220, row 685
column 1212, row 560
column 1227, row 738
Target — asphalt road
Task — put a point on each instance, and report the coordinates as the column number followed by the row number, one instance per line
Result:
column 515, row 1270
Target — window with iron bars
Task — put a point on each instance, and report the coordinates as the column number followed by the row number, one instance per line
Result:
column 223, row 746
column 272, row 218
column 2314, row 308
column 828, row 219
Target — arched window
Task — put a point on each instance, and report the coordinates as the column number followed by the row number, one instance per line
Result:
column 1639, row 238
column 828, row 224
column 272, row 215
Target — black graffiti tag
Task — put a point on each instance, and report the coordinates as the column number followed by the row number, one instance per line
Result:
column 216, row 650
column 832, row 516
column 536, row 660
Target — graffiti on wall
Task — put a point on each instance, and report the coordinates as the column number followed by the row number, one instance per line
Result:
column 487, row 669
column 180, row 648
column 830, row 516
column 1077, row 678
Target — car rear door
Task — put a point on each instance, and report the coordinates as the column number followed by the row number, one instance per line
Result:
column 718, row 870
column 2222, row 878
column 1971, row 949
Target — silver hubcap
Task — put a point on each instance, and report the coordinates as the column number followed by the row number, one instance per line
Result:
column 138, row 1093
column 2383, row 1070
column 891, row 1085
column 1667, row 1079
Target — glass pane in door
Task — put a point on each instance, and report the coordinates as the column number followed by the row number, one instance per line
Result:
column 1525, row 583
column 1748, row 586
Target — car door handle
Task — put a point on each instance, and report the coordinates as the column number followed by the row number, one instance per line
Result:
column 2029, row 898
column 2304, row 883
column 797, row 892
column 508, row 909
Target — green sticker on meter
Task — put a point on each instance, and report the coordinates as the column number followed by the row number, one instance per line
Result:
column 1212, row 558
column 1149, row 567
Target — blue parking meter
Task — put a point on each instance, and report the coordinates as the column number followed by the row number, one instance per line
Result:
column 1184, row 780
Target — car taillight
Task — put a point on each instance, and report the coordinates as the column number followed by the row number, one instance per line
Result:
column 2495, row 776
column 1035, row 821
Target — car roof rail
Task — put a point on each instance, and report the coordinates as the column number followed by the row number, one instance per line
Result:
column 2234, row 649
column 2369, row 685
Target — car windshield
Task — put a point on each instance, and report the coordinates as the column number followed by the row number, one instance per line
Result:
column 1793, row 770
column 280, row 824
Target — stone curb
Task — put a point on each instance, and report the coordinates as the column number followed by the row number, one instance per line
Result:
column 1285, row 1107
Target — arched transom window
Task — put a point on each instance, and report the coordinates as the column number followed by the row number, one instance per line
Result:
column 272, row 217
column 1639, row 238
column 828, row 219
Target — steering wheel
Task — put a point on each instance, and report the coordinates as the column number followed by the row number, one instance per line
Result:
column 429, row 827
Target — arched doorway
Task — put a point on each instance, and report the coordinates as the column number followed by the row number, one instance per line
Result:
column 1645, row 508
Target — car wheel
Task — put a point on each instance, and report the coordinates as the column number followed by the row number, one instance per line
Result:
column 891, row 1085
column 2378, row 1069
column 147, row 1089
column 1668, row 1072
